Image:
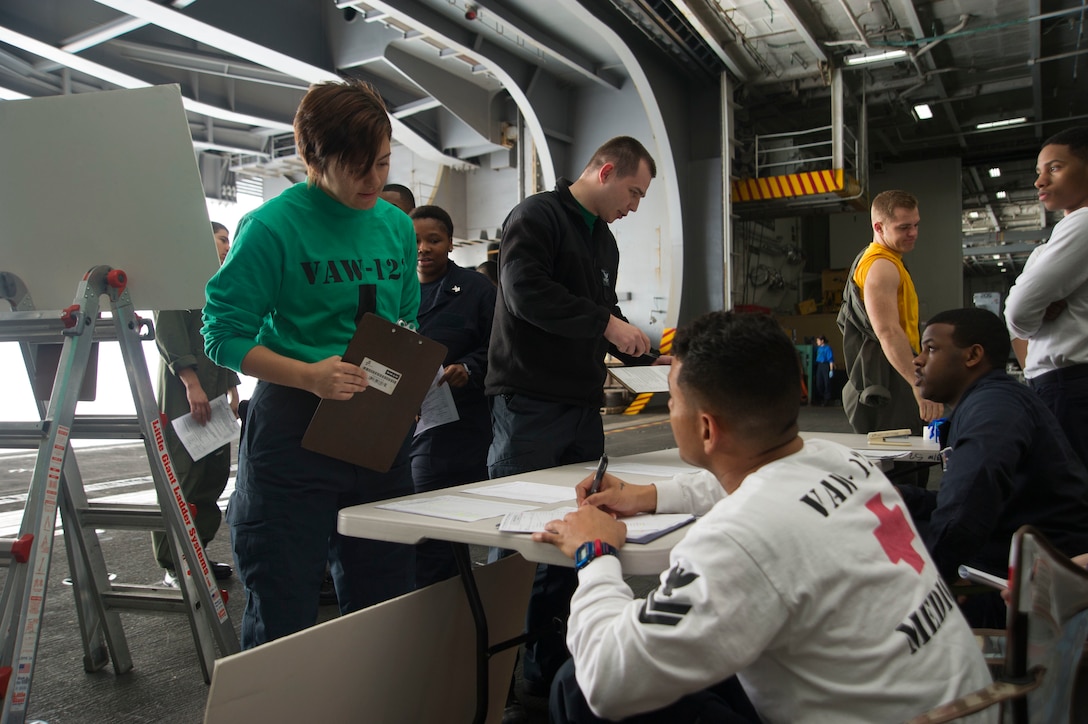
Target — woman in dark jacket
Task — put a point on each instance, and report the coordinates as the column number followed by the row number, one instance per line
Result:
column 456, row 308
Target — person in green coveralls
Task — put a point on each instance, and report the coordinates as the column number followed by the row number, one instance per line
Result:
column 188, row 381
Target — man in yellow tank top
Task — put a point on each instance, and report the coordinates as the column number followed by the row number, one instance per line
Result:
column 888, row 400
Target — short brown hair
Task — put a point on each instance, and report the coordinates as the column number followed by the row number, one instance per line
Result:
column 886, row 202
column 342, row 122
column 624, row 153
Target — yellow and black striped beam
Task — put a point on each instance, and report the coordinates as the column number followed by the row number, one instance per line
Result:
column 810, row 183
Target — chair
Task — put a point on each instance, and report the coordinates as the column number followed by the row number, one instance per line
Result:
column 1045, row 637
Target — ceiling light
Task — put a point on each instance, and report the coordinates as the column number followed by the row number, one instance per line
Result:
column 1001, row 263
column 995, row 172
column 923, row 112
column 7, row 94
column 236, row 45
column 101, row 34
column 996, row 257
column 235, row 150
column 878, row 56
column 999, row 124
column 109, row 31
column 188, row 27
column 122, row 80
column 1004, row 268
column 1002, row 195
column 973, row 215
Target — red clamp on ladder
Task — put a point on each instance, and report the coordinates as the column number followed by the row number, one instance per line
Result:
column 20, row 548
column 70, row 316
column 117, row 279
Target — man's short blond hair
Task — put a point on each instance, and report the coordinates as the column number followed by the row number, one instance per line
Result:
column 886, row 202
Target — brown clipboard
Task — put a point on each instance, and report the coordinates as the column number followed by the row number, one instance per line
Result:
column 369, row 429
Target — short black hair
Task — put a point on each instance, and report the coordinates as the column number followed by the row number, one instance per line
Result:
column 438, row 214
column 973, row 325
column 217, row 227
column 743, row 368
column 1076, row 138
column 404, row 192
column 489, row 269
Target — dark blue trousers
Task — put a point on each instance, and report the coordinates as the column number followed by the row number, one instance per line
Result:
column 1065, row 392
column 283, row 522
column 822, row 382
column 531, row 434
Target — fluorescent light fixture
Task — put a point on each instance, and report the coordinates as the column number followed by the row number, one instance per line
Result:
column 878, row 56
column 1002, row 195
column 237, row 150
column 185, row 26
column 7, row 94
column 101, row 34
column 1004, row 268
column 996, row 257
column 923, row 112
column 212, row 36
column 122, row 80
column 973, row 215
column 999, row 124
column 109, row 31
column 995, row 172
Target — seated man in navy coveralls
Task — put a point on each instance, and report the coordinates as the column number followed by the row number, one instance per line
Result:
column 1007, row 461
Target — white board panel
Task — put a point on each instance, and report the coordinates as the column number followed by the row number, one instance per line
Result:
column 104, row 178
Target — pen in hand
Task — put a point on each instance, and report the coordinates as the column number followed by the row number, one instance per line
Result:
column 981, row 577
column 602, row 466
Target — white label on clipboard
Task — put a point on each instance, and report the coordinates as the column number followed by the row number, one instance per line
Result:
column 380, row 377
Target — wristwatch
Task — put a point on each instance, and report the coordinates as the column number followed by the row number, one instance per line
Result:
column 592, row 549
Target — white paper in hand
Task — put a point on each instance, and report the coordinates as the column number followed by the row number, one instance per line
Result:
column 201, row 440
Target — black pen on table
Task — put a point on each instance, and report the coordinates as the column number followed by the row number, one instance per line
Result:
column 598, row 476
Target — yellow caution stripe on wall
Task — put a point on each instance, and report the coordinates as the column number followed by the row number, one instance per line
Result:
column 642, row 400
column 810, row 183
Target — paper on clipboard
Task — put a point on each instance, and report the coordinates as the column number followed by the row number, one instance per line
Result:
column 369, row 429
column 651, row 378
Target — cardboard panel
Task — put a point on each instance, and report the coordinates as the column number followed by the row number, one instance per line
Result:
column 411, row 659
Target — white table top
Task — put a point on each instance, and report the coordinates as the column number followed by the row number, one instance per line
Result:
column 370, row 521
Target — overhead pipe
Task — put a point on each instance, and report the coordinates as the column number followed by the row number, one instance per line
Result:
column 854, row 21
column 930, row 46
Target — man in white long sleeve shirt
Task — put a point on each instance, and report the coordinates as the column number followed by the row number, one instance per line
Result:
column 803, row 577
column 1048, row 304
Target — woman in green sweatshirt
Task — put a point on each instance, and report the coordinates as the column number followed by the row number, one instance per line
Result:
column 305, row 267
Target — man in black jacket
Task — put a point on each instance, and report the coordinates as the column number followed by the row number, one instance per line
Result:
column 555, row 319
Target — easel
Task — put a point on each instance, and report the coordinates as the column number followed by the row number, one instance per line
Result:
column 57, row 482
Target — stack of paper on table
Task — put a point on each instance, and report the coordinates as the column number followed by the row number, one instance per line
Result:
column 640, row 528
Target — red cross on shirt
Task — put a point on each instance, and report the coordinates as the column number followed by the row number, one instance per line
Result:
column 895, row 534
